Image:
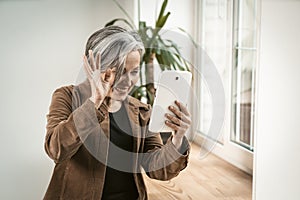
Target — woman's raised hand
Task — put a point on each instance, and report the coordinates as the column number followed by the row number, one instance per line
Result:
column 100, row 82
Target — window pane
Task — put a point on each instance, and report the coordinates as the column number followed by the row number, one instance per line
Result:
column 214, row 38
column 243, row 73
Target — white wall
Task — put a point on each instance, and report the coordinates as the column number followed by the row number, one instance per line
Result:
column 41, row 47
column 277, row 166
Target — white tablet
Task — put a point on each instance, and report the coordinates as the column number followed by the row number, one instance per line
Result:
column 172, row 85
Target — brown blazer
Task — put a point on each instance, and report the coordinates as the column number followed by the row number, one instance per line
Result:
column 77, row 139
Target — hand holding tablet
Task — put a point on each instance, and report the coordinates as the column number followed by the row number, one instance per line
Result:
column 172, row 86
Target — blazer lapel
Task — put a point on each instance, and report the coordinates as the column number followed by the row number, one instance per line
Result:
column 133, row 115
column 102, row 133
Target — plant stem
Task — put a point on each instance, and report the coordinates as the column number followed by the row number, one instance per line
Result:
column 139, row 12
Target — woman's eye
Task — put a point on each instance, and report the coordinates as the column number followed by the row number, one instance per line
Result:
column 135, row 72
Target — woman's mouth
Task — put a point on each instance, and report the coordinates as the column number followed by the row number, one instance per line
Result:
column 122, row 90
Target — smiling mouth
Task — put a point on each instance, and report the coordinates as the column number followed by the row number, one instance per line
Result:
column 121, row 89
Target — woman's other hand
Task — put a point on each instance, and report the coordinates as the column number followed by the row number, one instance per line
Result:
column 180, row 122
column 100, row 82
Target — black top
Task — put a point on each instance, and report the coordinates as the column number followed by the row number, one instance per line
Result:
column 119, row 182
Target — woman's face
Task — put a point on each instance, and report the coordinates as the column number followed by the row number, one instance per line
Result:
column 129, row 77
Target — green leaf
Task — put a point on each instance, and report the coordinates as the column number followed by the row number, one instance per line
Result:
column 162, row 10
column 150, row 97
column 161, row 22
column 190, row 37
column 112, row 22
column 138, row 92
column 159, row 45
column 172, row 60
column 142, row 24
column 165, row 59
column 124, row 11
column 161, row 62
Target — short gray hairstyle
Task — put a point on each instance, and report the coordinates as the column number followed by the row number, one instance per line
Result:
column 114, row 44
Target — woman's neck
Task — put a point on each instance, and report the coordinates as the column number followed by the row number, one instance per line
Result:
column 115, row 105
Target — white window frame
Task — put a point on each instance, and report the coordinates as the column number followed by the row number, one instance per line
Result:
column 227, row 150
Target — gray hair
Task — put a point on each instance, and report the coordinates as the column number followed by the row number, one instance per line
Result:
column 114, row 44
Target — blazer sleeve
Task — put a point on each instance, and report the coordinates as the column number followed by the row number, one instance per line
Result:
column 67, row 129
column 164, row 162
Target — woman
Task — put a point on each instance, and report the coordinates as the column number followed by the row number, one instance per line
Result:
column 97, row 134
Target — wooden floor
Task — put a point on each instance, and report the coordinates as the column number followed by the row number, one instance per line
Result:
column 206, row 179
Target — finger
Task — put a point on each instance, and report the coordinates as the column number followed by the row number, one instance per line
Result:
column 92, row 61
column 171, row 125
column 98, row 61
column 177, row 121
column 86, row 67
column 87, row 72
column 180, row 114
column 174, row 119
column 182, row 108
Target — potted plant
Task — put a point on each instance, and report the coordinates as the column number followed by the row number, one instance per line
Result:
column 165, row 51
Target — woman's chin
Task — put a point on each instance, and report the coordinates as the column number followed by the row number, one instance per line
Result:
column 119, row 96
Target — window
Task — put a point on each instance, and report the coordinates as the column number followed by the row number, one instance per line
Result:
column 213, row 43
column 228, row 34
column 243, row 72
